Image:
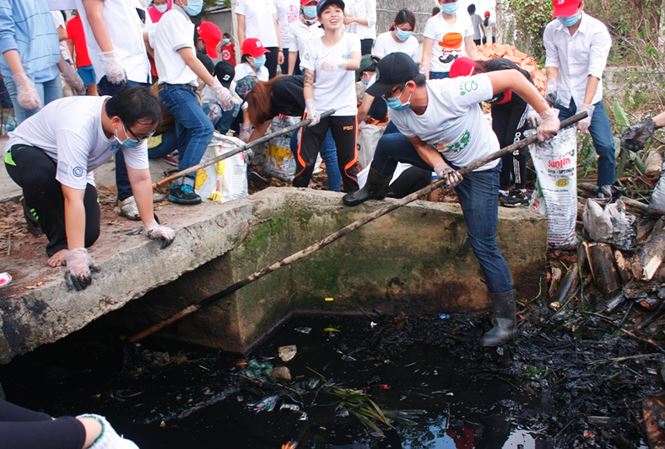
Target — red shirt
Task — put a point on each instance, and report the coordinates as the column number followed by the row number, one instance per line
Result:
column 76, row 34
column 229, row 53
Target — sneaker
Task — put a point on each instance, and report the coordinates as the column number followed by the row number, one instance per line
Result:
column 515, row 198
column 183, row 194
column 127, row 208
column 31, row 220
column 171, row 159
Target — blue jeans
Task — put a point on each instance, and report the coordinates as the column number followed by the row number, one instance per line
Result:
column 601, row 135
column 438, row 75
column 193, row 128
column 222, row 120
column 329, row 156
column 168, row 145
column 105, row 87
column 479, row 197
column 47, row 91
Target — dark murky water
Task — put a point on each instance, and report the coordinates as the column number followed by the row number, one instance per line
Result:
column 429, row 377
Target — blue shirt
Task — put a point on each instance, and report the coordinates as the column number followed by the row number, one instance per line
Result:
column 27, row 27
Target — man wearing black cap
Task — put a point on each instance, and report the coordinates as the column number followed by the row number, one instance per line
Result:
column 442, row 127
column 221, row 118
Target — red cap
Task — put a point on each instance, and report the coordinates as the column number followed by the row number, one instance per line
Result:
column 307, row 2
column 211, row 36
column 253, row 47
column 462, row 66
column 487, row 13
column 565, row 7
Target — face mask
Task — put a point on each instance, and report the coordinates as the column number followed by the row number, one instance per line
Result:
column 226, row 41
column 127, row 143
column 259, row 62
column 395, row 103
column 193, row 7
column 569, row 21
column 365, row 82
column 402, row 35
column 161, row 8
column 449, row 8
column 309, row 11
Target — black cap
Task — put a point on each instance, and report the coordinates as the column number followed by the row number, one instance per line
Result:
column 323, row 3
column 225, row 73
column 393, row 69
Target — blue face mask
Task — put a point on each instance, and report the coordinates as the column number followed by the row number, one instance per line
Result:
column 396, row 104
column 569, row 21
column 449, row 8
column 402, row 35
column 259, row 62
column 194, row 7
column 226, row 41
column 309, row 11
column 128, row 142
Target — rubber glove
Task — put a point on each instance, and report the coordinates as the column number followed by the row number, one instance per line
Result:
column 109, row 438
column 80, row 267
column 583, row 125
column 634, row 137
column 532, row 117
column 26, row 94
column 310, row 109
column 550, row 93
column 550, row 124
column 222, row 94
column 245, row 133
column 333, row 64
column 444, row 171
column 72, row 78
column 163, row 234
column 113, row 70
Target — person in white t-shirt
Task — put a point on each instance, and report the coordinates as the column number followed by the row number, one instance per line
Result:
column 446, row 37
column 252, row 63
column 52, row 156
column 300, row 32
column 399, row 38
column 442, row 127
column 329, row 64
column 178, row 69
column 360, row 19
column 287, row 14
column 258, row 19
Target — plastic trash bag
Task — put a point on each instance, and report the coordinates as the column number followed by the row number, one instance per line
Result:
column 611, row 224
column 225, row 180
column 279, row 161
column 368, row 138
column 657, row 202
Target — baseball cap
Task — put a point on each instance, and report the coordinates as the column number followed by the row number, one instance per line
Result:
column 225, row 73
column 367, row 64
column 462, row 66
column 245, row 85
column 324, row 3
column 306, row 2
column 565, row 7
column 211, row 36
column 393, row 69
column 487, row 14
column 253, row 47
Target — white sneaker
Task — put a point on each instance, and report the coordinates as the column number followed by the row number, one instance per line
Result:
column 108, row 439
column 317, row 165
column 127, row 208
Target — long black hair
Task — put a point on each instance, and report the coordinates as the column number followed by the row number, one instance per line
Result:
column 404, row 16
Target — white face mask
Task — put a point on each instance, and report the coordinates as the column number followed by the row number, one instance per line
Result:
column 162, row 8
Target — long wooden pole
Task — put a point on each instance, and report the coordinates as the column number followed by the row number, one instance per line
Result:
column 339, row 234
column 239, row 149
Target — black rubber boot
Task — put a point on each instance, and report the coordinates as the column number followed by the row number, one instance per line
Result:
column 504, row 312
column 376, row 188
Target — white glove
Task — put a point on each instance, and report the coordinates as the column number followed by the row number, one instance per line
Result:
column 583, row 125
column 72, row 78
column 26, row 94
column 333, row 64
column 164, row 234
column 245, row 133
column 108, row 439
column 80, row 267
column 532, row 117
column 444, row 171
column 550, row 124
column 113, row 70
column 310, row 109
column 223, row 95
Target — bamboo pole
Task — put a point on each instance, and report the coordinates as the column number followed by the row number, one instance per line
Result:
column 339, row 234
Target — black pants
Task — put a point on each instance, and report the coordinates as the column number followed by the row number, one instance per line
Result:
column 35, row 172
column 344, row 131
column 366, row 46
column 271, row 61
column 21, row 428
column 410, row 180
column 509, row 123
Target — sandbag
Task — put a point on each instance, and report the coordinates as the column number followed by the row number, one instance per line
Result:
column 225, row 180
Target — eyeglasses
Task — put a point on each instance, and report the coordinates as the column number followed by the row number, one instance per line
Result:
column 393, row 91
column 129, row 131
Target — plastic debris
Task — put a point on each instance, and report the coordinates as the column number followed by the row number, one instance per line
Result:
column 329, row 299
column 256, row 369
column 372, row 324
column 290, row 407
column 444, row 316
column 281, row 373
column 266, row 404
column 5, row 279
column 331, row 330
column 303, row 330
column 287, row 352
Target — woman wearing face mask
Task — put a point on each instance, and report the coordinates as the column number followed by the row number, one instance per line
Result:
column 52, row 156
column 178, row 69
column 158, row 8
column 446, row 37
column 399, row 38
column 329, row 64
column 300, row 32
column 252, row 63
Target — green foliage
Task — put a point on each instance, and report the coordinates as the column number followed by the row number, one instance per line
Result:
column 531, row 17
column 359, row 404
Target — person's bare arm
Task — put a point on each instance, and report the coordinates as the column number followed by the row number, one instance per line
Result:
column 426, row 57
column 365, row 107
column 241, row 28
column 293, row 56
column 470, row 48
column 93, row 10
column 189, row 57
column 74, row 217
column 141, row 184
column 513, row 79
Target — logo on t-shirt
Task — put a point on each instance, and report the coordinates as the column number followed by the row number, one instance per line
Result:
column 78, row 171
column 451, row 47
column 467, row 86
column 455, row 147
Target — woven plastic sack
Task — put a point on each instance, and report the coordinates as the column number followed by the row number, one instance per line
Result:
column 225, row 180
column 279, row 161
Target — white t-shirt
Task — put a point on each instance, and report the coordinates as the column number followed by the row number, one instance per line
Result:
column 59, row 21
column 453, row 122
column 448, row 40
column 385, row 44
column 173, row 31
column 287, row 14
column 259, row 20
column 126, row 32
column 336, row 88
column 69, row 130
column 365, row 9
column 243, row 69
column 299, row 34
